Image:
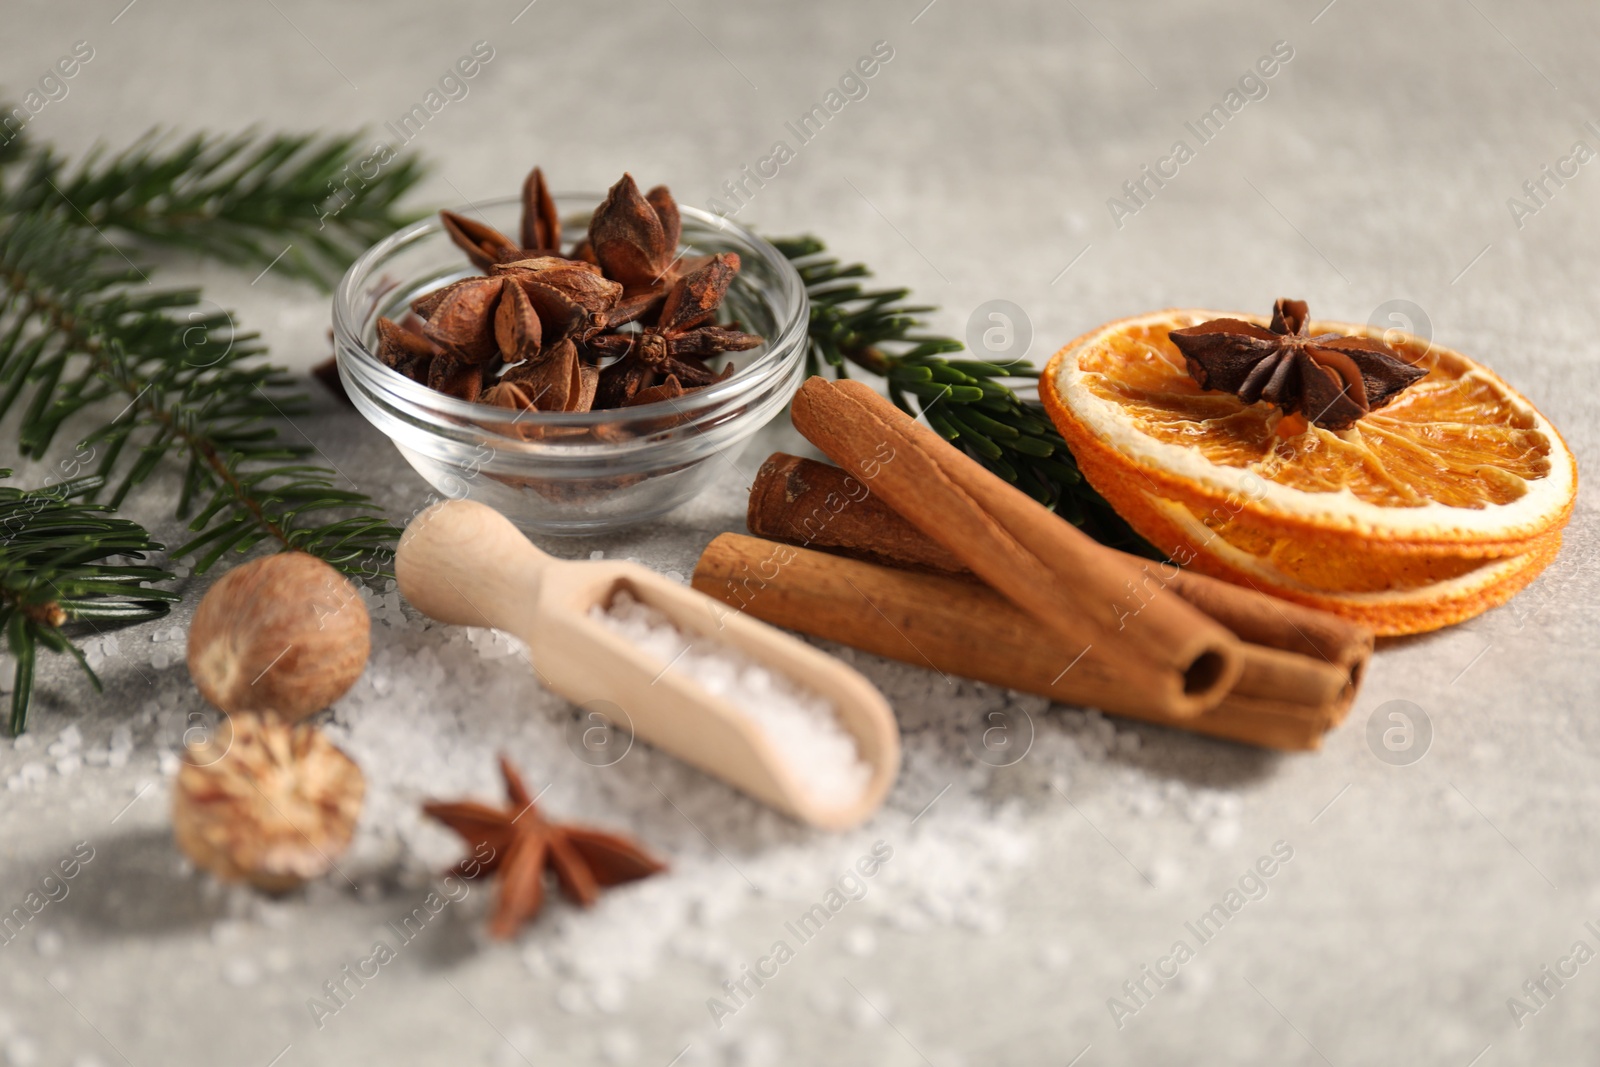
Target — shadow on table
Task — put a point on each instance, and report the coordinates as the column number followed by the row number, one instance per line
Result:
column 137, row 884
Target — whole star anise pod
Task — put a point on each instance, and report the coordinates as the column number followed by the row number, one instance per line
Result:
column 678, row 342
column 1332, row 379
column 524, row 843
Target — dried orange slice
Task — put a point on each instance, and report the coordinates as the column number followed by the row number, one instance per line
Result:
column 1404, row 508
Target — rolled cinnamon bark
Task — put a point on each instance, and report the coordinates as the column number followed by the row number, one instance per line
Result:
column 1180, row 658
column 804, row 502
column 959, row 627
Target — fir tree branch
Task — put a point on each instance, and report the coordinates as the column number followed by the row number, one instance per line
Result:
column 53, row 573
column 78, row 328
column 966, row 401
column 307, row 205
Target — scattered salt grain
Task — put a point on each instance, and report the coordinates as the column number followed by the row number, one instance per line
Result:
column 22, row 1051
column 861, row 941
column 570, row 998
column 619, row 1046
column 241, row 972
column 801, row 724
column 868, row 1011
column 23, row 743
column 1055, row 958
column 49, row 943
column 597, row 554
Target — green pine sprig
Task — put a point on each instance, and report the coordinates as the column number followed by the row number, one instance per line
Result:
column 967, row 401
column 54, row 572
column 306, row 204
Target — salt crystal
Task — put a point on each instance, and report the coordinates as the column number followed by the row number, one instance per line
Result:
column 23, row 743
column 570, row 998
column 240, row 972
column 824, row 1000
column 800, row 723
column 22, row 1051
column 33, row 772
column 860, row 941
column 68, row 765
column 864, row 1015
column 1055, row 958
column 49, row 943
column 168, row 763
column 597, row 554
column 72, row 737
column 97, row 756
column 609, row 995
column 619, row 1046
column 1223, row 833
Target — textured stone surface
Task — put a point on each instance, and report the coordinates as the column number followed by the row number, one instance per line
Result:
column 1377, row 168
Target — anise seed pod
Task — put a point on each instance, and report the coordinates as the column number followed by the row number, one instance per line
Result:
column 516, row 326
column 560, row 315
column 464, row 381
column 660, row 198
column 482, row 243
column 541, row 225
column 580, row 282
column 423, row 306
column 585, row 388
column 463, row 323
column 670, row 389
column 400, row 349
column 697, row 295
column 629, row 237
column 504, row 394
column 552, row 379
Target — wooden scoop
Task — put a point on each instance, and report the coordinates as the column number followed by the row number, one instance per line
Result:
column 464, row 563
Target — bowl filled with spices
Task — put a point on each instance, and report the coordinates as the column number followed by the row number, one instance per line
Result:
column 577, row 362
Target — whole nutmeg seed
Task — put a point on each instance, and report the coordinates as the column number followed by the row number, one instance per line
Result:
column 265, row 802
column 285, row 634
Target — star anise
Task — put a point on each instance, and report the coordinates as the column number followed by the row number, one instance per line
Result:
column 531, row 333
column 1331, row 378
column 678, row 342
column 524, row 843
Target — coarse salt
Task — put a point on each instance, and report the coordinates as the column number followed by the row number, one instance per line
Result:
column 800, row 723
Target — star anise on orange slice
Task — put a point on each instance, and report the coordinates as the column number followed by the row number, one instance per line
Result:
column 1332, row 379
column 524, row 844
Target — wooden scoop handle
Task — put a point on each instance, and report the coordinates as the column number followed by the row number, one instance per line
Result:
column 464, row 563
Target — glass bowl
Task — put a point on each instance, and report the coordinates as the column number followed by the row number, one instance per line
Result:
column 571, row 472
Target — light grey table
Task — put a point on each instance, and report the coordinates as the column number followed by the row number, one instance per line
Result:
column 1374, row 170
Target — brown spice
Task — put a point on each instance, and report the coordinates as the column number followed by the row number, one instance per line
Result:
column 620, row 314
column 518, row 843
column 1332, row 379
column 265, row 802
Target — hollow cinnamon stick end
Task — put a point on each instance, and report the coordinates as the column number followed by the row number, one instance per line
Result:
column 779, row 484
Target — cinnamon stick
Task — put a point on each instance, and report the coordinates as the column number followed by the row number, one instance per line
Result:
column 959, row 627
column 804, row 502
column 1179, row 659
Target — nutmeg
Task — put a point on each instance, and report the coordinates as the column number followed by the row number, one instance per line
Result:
column 285, row 634
column 266, row 802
